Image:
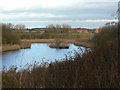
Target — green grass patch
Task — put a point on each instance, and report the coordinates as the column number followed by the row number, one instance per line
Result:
column 38, row 35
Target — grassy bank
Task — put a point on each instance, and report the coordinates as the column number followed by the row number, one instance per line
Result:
column 95, row 69
column 54, row 40
column 12, row 47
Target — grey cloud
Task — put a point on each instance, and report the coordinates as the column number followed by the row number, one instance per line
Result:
column 73, row 12
column 97, row 8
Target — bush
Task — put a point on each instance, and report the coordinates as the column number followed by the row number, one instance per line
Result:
column 107, row 34
column 9, row 36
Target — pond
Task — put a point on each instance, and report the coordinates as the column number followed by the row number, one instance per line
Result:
column 39, row 52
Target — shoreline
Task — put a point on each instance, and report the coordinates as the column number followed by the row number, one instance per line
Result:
column 47, row 40
column 26, row 43
column 9, row 47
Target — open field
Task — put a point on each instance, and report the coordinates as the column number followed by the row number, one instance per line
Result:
column 37, row 35
column 48, row 40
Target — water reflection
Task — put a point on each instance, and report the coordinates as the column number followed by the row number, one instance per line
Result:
column 37, row 53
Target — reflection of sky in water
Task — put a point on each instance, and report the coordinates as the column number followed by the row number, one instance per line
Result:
column 37, row 53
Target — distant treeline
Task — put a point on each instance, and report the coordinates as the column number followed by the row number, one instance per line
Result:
column 12, row 34
column 57, row 28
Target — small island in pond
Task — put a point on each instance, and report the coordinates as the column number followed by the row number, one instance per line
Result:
column 59, row 46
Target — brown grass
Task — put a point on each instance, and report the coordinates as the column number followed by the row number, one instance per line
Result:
column 51, row 40
column 25, row 45
column 84, row 44
column 10, row 47
column 46, row 40
column 79, row 42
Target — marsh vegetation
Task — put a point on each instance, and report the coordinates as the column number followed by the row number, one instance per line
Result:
column 95, row 69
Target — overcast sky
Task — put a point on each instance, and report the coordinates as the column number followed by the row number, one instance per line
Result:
column 39, row 13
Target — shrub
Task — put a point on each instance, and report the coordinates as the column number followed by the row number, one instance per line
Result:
column 9, row 36
column 107, row 34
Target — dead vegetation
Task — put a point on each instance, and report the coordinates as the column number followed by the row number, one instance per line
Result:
column 97, row 68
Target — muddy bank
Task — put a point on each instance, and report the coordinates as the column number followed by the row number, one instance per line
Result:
column 9, row 47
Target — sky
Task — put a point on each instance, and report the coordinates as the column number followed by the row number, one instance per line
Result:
column 40, row 13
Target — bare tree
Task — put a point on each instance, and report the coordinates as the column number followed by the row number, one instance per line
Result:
column 66, row 26
column 20, row 27
column 51, row 26
column 9, row 25
column 58, row 26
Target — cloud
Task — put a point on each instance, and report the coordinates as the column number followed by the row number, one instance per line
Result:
column 104, row 20
column 76, row 11
column 28, row 15
column 55, row 11
column 11, row 5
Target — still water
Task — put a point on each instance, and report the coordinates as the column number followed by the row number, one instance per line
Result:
column 39, row 52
